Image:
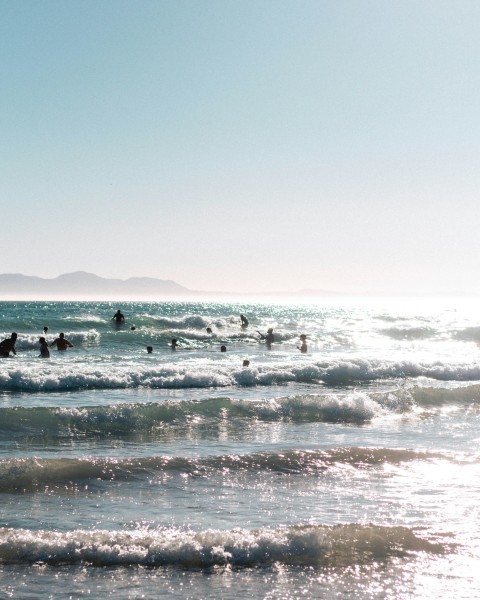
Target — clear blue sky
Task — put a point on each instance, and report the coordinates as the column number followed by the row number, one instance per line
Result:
column 243, row 145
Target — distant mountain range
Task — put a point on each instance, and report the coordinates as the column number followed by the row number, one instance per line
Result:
column 81, row 285
column 85, row 286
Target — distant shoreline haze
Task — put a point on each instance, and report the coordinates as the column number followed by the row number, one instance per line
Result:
column 81, row 285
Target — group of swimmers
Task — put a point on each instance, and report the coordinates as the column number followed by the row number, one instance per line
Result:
column 8, row 345
column 61, row 342
column 268, row 337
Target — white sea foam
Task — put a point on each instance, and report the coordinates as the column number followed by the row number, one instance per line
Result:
column 95, row 373
column 314, row 545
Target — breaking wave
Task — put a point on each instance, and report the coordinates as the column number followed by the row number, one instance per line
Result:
column 312, row 545
column 48, row 376
column 123, row 419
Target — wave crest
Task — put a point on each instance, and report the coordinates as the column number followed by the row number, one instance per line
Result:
column 313, row 545
column 123, row 419
column 62, row 376
column 32, row 474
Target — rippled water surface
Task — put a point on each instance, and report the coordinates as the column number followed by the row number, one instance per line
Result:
column 352, row 470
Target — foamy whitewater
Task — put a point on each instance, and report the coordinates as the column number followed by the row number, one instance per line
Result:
column 349, row 471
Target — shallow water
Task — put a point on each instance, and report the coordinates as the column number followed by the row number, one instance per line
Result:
column 349, row 471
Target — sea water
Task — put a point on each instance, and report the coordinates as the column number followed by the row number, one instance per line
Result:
column 349, row 471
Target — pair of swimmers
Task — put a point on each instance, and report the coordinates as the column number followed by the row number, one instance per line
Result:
column 269, row 339
column 61, row 343
column 243, row 323
column 174, row 346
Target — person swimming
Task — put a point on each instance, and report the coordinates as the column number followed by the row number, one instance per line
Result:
column 118, row 317
column 174, row 344
column 303, row 348
column 8, row 345
column 269, row 338
column 149, row 349
column 44, row 351
column 223, row 348
column 244, row 321
column 61, row 343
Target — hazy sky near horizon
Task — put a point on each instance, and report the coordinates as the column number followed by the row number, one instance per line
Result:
column 247, row 145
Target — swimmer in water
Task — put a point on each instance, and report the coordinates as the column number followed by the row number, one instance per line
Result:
column 61, row 343
column 8, row 345
column 269, row 339
column 118, row 317
column 303, row 339
column 44, row 351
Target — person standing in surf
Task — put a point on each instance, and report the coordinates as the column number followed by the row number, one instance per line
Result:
column 269, row 339
column 8, row 345
column 61, row 343
column 118, row 317
column 44, row 351
column 303, row 339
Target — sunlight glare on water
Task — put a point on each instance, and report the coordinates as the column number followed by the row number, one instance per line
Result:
column 349, row 470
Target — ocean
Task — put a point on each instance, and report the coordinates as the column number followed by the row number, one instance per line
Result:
column 348, row 471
